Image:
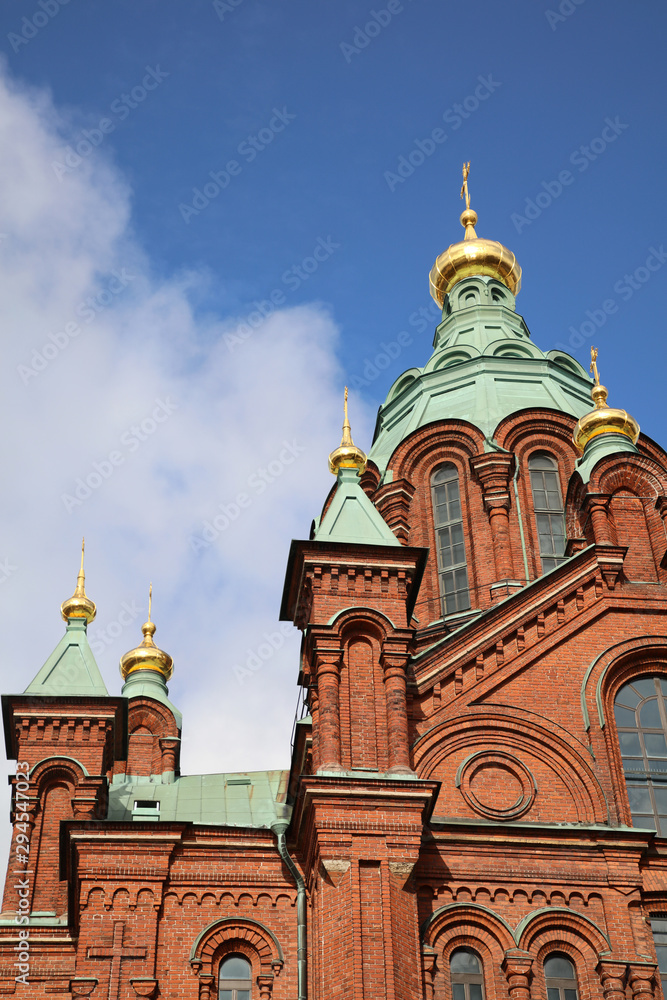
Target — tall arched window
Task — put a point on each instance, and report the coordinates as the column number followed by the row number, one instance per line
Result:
column 466, row 974
column 548, row 507
column 561, row 978
column 641, row 720
column 452, row 564
column 659, row 928
column 234, row 978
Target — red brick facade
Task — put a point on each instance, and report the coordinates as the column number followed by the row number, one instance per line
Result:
column 458, row 783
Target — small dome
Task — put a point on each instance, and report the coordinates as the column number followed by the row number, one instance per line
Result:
column 79, row 605
column 473, row 256
column 147, row 656
column 347, row 455
column 603, row 419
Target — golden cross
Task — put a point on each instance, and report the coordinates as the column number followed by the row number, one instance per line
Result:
column 464, row 190
column 594, row 368
column 345, row 404
column 150, row 600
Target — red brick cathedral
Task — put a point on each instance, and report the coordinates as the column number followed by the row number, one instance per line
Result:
column 476, row 807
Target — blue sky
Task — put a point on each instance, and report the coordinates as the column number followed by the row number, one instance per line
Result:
column 355, row 113
column 305, row 111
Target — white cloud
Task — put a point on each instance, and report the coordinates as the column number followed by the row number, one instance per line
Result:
column 231, row 415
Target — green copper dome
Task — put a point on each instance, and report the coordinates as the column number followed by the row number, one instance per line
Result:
column 484, row 367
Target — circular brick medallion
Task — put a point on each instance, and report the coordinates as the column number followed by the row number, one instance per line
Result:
column 496, row 784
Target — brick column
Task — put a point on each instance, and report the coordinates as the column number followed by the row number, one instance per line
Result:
column 428, row 963
column 612, row 977
column 397, row 712
column 328, row 680
column 596, row 504
column 642, row 980
column 517, row 966
column 493, row 472
column 265, row 983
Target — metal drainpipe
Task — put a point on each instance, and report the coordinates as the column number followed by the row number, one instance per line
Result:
column 280, row 828
column 520, row 516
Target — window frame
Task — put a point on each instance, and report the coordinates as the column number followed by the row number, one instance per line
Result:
column 559, row 983
column 462, row 603
column 644, row 776
column 657, row 933
column 467, row 979
column 234, row 985
column 545, row 557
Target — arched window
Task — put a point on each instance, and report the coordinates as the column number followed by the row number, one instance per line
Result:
column 548, row 507
column 234, row 978
column 452, row 564
column 561, row 978
column 641, row 720
column 659, row 928
column 466, row 973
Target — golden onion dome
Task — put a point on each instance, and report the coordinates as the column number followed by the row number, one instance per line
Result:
column 79, row 605
column 603, row 419
column 473, row 256
column 147, row 656
column 347, row 455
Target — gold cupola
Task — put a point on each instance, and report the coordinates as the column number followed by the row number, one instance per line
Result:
column 603, row 419
column 79, row 605
column 147, row 656
column 473, row 256
column 347, row 455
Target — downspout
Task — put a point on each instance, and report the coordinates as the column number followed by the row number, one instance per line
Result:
column 520, row 516
column 280, row 829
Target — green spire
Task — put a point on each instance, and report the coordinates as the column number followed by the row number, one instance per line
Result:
column 71, row 668
column 351, row 516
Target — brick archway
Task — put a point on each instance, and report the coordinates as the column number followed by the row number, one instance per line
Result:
column 251, row 938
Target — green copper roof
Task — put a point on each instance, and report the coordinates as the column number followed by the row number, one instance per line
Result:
column 484, row 367
column 352, row 517
column 247, row 799
column 71, row 668
column 601, row 446
column 150, row 684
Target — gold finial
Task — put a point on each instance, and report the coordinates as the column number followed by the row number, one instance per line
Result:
column 598, row 392
column 603, row 419
column 473, row 256
column 347, row 455
column 79, row 605
column 469, row 217
column 147, row 656
column 465, row 193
